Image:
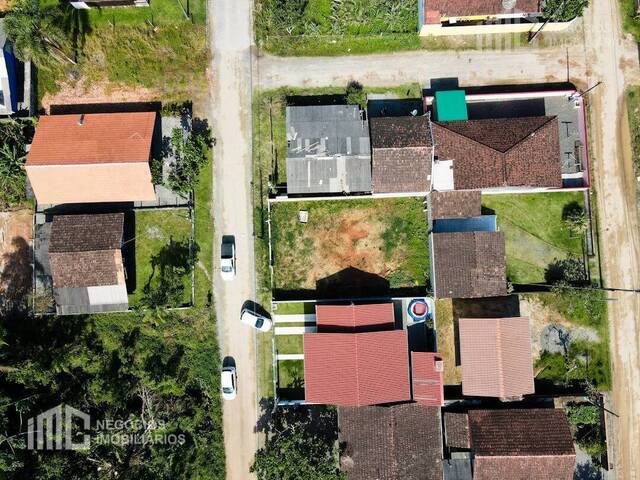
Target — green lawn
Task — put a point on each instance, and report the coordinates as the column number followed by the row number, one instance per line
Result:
column 291, row 373
column 535, row 233
column 203, row 193
column 630, row 21
column 155, row 48
column 289, row 343
column 384, row 237
column 161, row 241
column 292, row 308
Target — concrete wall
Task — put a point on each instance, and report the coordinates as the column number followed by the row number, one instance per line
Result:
column 438, row 30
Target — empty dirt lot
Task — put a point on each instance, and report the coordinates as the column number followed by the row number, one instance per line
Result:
column 15, row 257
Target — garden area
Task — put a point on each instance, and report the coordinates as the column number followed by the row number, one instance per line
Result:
column 540, row 230
column 164, row 258
column 137, row 54
column 350, row 247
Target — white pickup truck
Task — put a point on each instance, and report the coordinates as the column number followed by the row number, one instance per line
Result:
column 228, row 258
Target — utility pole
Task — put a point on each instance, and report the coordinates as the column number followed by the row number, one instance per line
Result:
column 547, row 21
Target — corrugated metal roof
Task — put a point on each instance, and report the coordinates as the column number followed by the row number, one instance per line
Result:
column 451, row 105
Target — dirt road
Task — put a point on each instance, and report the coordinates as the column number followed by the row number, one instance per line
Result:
column 620, row 241
column 231, row 33
column 470, row 67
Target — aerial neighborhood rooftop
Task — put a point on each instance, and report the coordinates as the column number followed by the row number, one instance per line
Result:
column 319, row 239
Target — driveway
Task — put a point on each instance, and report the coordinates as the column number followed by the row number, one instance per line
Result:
column 619, row 229
column 230, row 23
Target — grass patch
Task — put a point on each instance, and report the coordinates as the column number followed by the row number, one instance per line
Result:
column 633, row 107
column 630, row 21
column 295, row 308
column 161, row 239
column 156, row 48
column 445, row 331
column 585, row 359
column 535, row 233
column 291, row 373
column 204, row 234
column 387, row 238
column 289, row 343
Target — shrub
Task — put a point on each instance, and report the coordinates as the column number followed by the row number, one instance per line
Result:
column 564, row 10
column 584, row 415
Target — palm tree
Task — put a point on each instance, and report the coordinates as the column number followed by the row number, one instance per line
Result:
column 36, row 35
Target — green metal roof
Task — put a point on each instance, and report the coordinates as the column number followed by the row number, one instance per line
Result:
column 450, row 105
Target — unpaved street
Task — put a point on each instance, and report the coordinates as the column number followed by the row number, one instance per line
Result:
column 620, row 242
column 231, row 27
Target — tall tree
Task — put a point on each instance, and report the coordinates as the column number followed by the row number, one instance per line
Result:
column 36, row 34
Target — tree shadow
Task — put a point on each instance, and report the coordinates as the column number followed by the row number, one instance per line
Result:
column 570, row 270
column 587, row 471
column 15, row 278
column 571, row 210
column 165, row 286
column 75, row 22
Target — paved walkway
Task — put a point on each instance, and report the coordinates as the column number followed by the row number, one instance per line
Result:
column 230, row 23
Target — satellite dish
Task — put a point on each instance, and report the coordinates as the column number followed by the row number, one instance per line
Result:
column 508, row 4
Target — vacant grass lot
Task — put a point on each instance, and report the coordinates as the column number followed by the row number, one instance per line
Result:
column 534, row 231
column 386, row 239
column 156, row 48
column 633, row 106
column 162, row 240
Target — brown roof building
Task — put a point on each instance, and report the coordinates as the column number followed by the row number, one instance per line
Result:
column 86, row 263
column 455, row 204
column 501, row 152
column 399, row 442
column 518, row 444
column 402, row 151
column 100, row 157
column 427, row 378
column 355, row 369
column 469, row 264
column 477, row 8
column 496, row 357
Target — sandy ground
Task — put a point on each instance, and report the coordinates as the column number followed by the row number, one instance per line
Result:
column 15, row 256
column 99, row 92
column 230, row 27
column 619, row 229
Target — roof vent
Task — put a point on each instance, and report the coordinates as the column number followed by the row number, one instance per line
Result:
column 508, row 4
column 439, row 366
column 81, row 119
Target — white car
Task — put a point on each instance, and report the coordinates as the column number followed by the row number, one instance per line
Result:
column 255, row 320
column 228, row 383
column 228, row 258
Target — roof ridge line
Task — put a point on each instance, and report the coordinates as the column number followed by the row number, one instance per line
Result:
column 467, row 137
column 500, row 357
column 529, row 134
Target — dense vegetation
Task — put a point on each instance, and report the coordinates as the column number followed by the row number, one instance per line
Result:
column 160, row 377
column 310, row 26
column 159, row 48
column 564, row 10
column 301, row 445
column 13, row 179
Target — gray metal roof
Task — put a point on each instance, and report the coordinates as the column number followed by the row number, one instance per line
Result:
column 327, row 130
column 329, row 150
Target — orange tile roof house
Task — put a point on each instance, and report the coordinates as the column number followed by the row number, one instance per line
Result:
column 514, row 444
column 92, row 158
column 496, row 357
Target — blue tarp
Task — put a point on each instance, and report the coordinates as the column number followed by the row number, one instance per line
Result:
column 483, row 223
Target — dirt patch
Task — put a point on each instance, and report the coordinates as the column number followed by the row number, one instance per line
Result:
column 15, row 257
column 354, row 242
column 4, row 6
column 98, row 92
column 542, row 318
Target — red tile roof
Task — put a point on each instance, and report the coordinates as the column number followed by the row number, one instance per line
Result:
column 469, row 8
column 426, row 379
column 496, row 357
column 353, row 369
column 455, row 204
column 101, row 138
column 521, row 444
column 499, row 152
column 344, row 318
